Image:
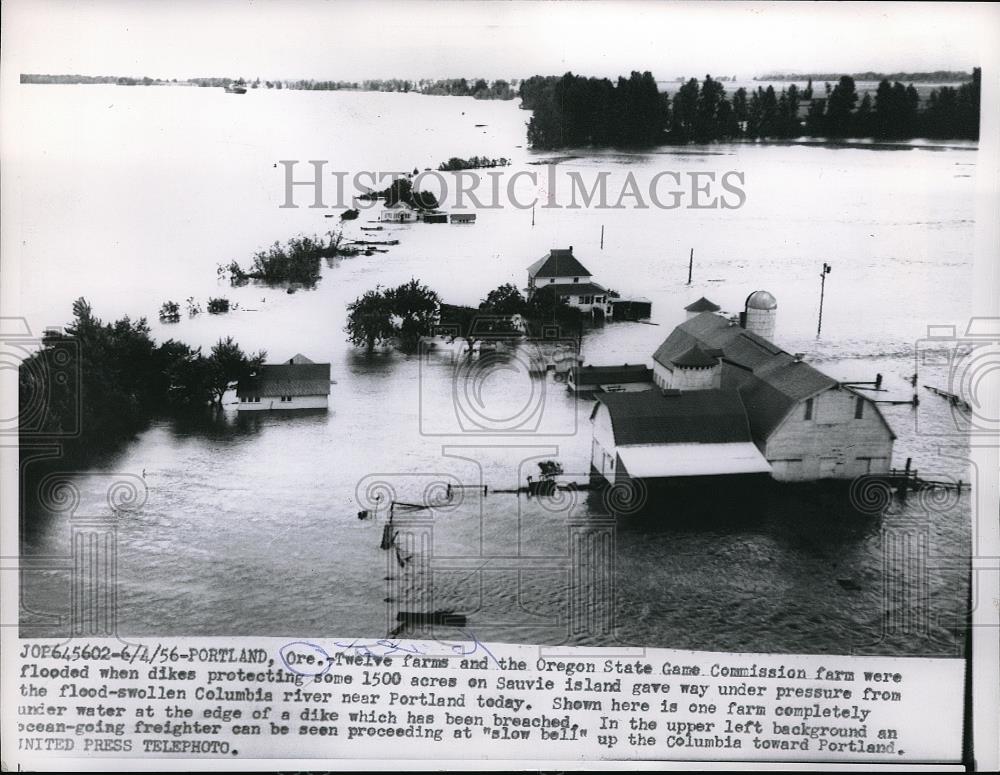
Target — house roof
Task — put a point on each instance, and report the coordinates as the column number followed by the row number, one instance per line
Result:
column 695, row 357
column 608, row 375
column 697, row 417
column 558, row 262
column 702, row 305
column 287, row 379
column 574, row 289
column 661, row 460
column 769, row 379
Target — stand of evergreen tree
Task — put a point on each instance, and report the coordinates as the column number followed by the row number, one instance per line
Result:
column 95, row 385
column 573, row 111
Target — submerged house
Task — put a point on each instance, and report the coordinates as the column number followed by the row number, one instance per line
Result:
column 295, row 384
column 398, row 212
column 805, row 424
column 563, row 274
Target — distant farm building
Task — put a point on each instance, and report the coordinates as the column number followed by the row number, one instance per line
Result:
column 398, row 212
column 296, row 384
column 463, row 217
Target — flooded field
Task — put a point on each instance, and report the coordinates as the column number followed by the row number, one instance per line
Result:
column 250, row 523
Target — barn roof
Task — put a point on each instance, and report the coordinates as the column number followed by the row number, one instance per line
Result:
column 606, row 375
column 702, row 305
column 574, row 289
column 770, row 380
column 700, row 416
column 656, row 461
column 558, row 262
column 287, row 379
column 694, row 357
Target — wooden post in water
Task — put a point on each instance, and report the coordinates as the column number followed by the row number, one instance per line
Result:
column 822, row 290
column 906, row 478
column 690, row 265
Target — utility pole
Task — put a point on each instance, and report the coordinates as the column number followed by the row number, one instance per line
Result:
column 690, row 265
column 822, row 291
column 532, row 214
column 602, row 236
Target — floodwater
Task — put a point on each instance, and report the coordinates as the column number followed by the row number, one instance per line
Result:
column 132, row 196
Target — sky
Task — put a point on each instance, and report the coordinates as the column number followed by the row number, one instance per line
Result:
column 347, row 40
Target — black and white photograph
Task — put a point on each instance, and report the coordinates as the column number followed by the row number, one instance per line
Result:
column 598, row 327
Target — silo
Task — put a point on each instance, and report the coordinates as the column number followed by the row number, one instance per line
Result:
column 760, row 314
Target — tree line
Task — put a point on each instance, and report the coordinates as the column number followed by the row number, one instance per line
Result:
column 119, row 378
column 479, row 88
column 576, row 111
column 410, row 311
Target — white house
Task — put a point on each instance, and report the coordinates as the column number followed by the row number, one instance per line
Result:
column 806, row 424
column 295, row 384
column 399, row 212
column 560, row 272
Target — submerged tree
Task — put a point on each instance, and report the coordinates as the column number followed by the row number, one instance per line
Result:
column 369, row 320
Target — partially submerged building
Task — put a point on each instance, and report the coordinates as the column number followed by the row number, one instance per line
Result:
column 298, row 383
column 805, row 424
column 626, row 378
column 559, row 272
column 673, row 436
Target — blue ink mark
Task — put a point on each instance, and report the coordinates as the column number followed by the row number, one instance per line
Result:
column 460, row 648
column 383, row 647
column 322, row 661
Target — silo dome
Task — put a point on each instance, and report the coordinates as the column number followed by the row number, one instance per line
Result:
column 761, row 300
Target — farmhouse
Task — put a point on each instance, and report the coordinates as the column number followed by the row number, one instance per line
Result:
column 561, row 273
column 295, row 384
column 805, row 424
column 398, row 212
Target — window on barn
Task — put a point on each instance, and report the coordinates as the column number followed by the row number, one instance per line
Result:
column 809, row 408
column 859, row 408
column 576, row 279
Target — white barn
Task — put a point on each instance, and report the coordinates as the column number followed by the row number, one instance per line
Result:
column 806, row 424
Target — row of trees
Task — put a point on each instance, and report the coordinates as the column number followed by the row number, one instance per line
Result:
column 410, row 311
column 402, row 190
column 118, row 378
column 297, row 261
column 480, row 88
column 455, row 164
column 404, row 313
column 576, row 111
